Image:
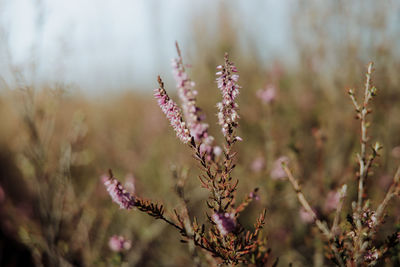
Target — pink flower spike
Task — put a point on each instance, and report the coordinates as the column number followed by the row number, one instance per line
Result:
column 172, row 112
column 192, row 113
column 119, row 195
column 227, row 83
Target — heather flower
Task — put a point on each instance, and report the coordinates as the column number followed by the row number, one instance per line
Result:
column 332, row 201
column 227, row 83
column 172, row 112
column 192, row 113
column 277, row 171
column 267, row 95
column 118, row 193
column 119, row 243
column 225, row 222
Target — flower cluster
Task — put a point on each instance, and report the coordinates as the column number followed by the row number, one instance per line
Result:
column 225, row 222
column 173, row 113
column 227, row 83
column 119, row 195
column 118, row 243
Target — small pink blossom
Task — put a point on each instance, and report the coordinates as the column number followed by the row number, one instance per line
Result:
column 225, row 222
column 267, row 95
column 119, row 243
column 277, row 171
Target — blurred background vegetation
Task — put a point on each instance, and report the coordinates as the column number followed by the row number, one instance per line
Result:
column 59, row 134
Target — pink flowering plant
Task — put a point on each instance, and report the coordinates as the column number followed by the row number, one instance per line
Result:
column 221, row 235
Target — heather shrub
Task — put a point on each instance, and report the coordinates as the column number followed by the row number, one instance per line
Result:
column 222, row 236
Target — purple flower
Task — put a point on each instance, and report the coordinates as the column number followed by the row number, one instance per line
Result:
column 119, row 243
column 225, row 222
column 119, row 195
column 277, row 171
column 267, row 95
column 227, row 83
column 172, row 112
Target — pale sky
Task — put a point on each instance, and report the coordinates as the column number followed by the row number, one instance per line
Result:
column 111, row 44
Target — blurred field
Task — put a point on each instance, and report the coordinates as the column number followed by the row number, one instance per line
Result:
column 55, row 143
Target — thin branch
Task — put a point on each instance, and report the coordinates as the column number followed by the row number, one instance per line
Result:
column 364, row 138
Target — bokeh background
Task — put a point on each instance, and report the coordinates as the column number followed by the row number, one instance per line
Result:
column 76, row 99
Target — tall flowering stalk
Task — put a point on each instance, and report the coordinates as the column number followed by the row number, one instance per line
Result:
column 354, row 244
column 192, row 113
column 223, row 237
column 227, row 108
